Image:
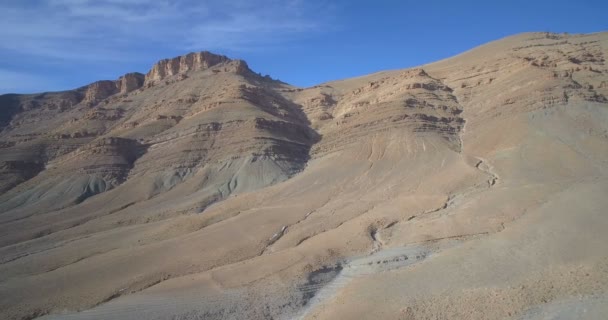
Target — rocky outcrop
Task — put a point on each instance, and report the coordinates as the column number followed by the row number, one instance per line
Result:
column 13, row 172
column 411, row 100
column 238, row 67
column 110, row 153
column 98, row 91
column 130, row 81
column 182, row 64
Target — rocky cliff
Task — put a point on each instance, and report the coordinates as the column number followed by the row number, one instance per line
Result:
column 180, row 65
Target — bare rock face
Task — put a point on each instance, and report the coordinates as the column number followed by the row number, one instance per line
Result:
column 237, row 66
column 101, row 90
column 98, row 91
column 130, row 81
column 182, row 64
column 411, row 100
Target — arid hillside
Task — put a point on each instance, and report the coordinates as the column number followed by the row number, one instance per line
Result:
column 470, row 188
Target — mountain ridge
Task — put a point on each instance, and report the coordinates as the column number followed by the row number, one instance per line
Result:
column 411, row 192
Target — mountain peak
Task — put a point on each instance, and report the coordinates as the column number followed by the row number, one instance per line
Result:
column 181, row 64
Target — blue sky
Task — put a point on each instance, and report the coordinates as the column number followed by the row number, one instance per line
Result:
column 62, row 44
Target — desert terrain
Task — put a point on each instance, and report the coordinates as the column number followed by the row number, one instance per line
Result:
column 469, row 188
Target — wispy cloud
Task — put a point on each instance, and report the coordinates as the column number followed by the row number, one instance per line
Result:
column 108, row 30
column 67, row 40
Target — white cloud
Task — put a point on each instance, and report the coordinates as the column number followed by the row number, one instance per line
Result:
column 117, row 29
column 72, row 36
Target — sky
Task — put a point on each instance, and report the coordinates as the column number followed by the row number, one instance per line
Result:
column 49, row 45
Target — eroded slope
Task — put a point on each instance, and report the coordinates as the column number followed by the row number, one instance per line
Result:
column 468, row 188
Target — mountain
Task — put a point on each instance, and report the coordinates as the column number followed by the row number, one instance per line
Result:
column 469, row 188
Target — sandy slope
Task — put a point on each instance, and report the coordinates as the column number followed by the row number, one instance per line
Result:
column 471, row 188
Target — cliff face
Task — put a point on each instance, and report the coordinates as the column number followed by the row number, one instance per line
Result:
column 100, row 90
column 179, row 65
column 236, row 196
column 411, row 100
column 130, row 81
